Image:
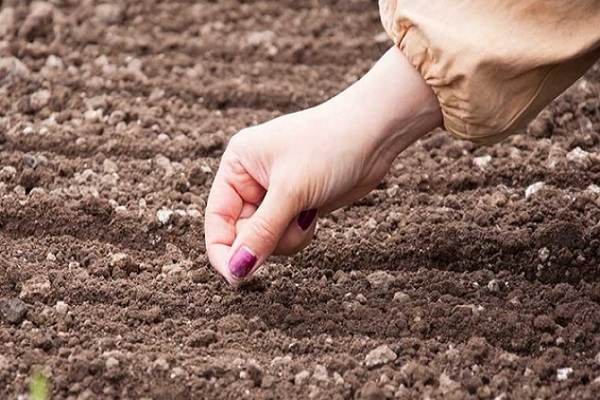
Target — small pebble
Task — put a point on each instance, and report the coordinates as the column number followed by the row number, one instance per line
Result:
column 111, row 363
column 109, row 166
column 161, row 364
column 493, row 286
column 164, row 216
column 380, row 356
column 177, row 372
column 482, row 162
column 401, row 297
column 533, row 189
column 578, row 155
column 61, row 308
column 13, row 311
column 193, row 213
column 380, row 279
column 594, row 188
column 562, row 374
column 544, row 254
column 39, row 99
column 54, row 62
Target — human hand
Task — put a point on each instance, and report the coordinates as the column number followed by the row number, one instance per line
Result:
column 275, row 178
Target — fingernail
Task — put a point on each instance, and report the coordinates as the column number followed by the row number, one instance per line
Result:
column 242, row 262
column 306, row 218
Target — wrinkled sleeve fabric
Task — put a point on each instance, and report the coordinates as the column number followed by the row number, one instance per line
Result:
column 494, row 64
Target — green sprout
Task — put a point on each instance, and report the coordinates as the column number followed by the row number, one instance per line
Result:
column 39, row 387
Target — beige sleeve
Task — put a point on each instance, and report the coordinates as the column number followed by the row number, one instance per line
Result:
column 494, row 64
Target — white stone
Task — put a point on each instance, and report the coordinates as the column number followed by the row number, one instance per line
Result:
column 578, row 155
column 54, row 62
column 193, row 213
column 177, row 372
column 164, row 216
column 111, row 363
column 161, row 364
column 493, row 286
column 482, row 162
column 544, row 254
column 61, row 308
column 562, row 374
column 380, row 356
column 594, row 188
column 165, row 164
column 93, row 115
column 533, row 189
column 117, row 259
column 109, row 166
column 338, row 379
column 401, row 297
column 257, row 38
column 380, row 279
column 8, row 171
column 40, row 99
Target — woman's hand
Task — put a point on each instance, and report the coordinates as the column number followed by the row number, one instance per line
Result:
column 276, row 178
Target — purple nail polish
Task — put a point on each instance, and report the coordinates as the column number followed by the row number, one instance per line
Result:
column 306, row 218
column 242, row 262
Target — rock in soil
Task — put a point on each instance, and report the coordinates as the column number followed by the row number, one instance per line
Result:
column 13, row 311
column 380, row 356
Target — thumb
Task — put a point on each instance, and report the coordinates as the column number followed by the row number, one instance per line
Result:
column 259, row 236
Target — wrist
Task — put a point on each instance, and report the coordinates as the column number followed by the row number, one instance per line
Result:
column 392, row 104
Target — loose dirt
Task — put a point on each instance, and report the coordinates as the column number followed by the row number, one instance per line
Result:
column 447, row 282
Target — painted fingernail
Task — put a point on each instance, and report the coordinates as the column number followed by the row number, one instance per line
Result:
column 306, row 218
column 242, row 262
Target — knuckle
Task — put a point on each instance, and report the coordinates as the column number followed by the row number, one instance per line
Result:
column 240, row 139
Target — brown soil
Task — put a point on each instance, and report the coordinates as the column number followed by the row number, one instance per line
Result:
column 121, row 110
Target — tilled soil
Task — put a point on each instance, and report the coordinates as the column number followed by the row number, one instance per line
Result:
column 455, row 279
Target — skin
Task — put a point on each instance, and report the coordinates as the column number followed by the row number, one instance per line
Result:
column 323, row 158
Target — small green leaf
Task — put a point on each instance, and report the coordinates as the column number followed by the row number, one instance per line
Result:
column 39, row 387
